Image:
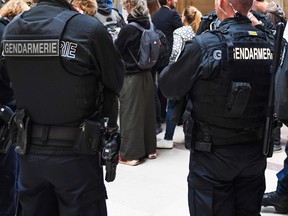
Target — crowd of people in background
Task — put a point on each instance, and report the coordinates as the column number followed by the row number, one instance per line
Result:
column 140, row 111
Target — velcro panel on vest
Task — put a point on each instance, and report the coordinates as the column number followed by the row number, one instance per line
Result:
column 212, row 104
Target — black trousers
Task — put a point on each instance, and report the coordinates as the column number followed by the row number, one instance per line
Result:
column 8, row 173
column 61, row 186
column 227, row 181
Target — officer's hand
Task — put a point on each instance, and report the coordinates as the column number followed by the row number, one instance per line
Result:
column 253, row 19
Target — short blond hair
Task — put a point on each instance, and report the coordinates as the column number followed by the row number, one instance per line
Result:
column 12, row 8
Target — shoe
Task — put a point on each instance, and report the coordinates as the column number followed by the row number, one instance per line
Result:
column 280, row 202
column 277, row 148
column 152, row 156
column 129, row 162
column 165, row 144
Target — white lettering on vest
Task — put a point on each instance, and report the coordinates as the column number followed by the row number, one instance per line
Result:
column 256, row 53
column 31, row 48
column 68, row 49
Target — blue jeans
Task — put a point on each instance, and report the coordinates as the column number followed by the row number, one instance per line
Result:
column 282, row 175
column 170, row 126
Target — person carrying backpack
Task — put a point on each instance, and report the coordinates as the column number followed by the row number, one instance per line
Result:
column 110, row 17
column 137, row 105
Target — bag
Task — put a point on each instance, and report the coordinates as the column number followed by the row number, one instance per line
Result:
column 112, row 25
column 165, row 51
column 149, row 47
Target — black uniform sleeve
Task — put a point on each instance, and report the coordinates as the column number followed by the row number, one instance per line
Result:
column 109, row 61
column 6, row 92
column 176, row 79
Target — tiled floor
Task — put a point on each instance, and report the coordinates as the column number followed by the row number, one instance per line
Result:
column 159, row 187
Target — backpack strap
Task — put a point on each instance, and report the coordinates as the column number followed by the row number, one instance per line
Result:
column 140, row 27
column 136, row 25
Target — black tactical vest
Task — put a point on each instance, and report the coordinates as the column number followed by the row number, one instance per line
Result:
column 41, row 84
column 232, row 100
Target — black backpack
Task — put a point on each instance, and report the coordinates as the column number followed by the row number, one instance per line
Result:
column 149, row 47
column 165, row 51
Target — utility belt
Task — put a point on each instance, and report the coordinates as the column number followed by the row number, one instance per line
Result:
column 200, row 140
column 85, row 139
column 90, row 138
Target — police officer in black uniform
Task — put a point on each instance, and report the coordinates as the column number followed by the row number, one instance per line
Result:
column 8, row 157
column 225, row 73
column 60, row 62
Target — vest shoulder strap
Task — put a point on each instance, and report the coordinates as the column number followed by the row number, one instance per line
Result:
column 64, row 17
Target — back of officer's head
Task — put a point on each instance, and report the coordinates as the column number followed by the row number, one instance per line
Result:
column 242, row 6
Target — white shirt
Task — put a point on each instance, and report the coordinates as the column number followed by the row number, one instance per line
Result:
column 180, row 36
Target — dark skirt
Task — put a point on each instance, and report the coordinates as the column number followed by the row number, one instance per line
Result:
column 137, row 116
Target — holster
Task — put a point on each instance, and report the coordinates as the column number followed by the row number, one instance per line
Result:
column 188, row 131
column 23, row 125
column 90, row 137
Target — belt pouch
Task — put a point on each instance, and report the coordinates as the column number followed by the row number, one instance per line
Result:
column 239, row 97
column 22, row 121
column 89, row 137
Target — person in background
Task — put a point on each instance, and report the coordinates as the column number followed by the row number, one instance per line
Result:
column 137, row 105
column 12, row 8
column 8, row 157
column 191, row 18
column 58, row 119
column 272, row 10
column 167, row 20
column 110, row 3
column 223, row 132
column 153, row 6
column 113, row 21
column 88, row 7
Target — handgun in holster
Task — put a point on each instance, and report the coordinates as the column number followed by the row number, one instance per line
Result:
column 188, row 130
column 188, row 126
column 109, row 155
column 22, row 122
